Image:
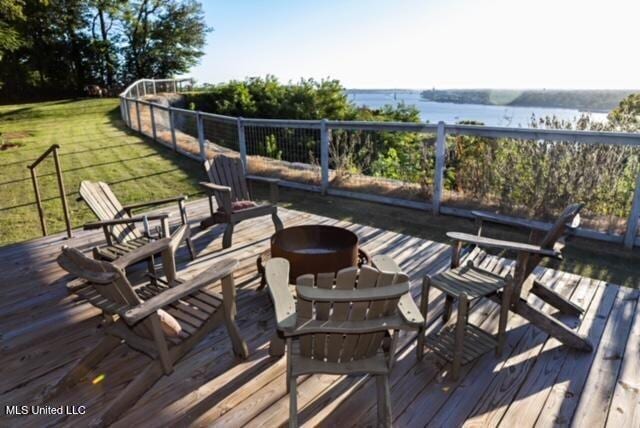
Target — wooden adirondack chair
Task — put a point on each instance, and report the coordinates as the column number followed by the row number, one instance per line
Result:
column 228, row 185
column 340, row 324
column 543, row 243
column 118, row 224
column 162, row 319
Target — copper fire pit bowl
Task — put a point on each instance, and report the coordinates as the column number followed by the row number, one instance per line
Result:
column 316, row 249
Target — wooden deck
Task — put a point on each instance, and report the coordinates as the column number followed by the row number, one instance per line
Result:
column 536, row 382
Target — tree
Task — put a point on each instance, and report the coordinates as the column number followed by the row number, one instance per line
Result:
column 10, row 38
column 163, row 37
column 54, row 48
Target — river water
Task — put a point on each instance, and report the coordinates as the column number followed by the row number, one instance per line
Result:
column 451, row 113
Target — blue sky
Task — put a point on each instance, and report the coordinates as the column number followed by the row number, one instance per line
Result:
column 424, row 44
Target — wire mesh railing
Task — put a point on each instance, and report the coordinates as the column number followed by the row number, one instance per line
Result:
column 287, row 151
column 450, row 169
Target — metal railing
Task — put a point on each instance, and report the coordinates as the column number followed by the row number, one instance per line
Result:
column 306, row 153
column 63, row 196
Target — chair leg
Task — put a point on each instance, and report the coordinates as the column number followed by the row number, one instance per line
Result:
column 384, row 401
column 424, row 308
column 276, row 221
column 82, row 367
column 289, row 368
column 191, row 247
column 151, row 266
column 228, row 236
column 448, row 303
column 293, row 402
column 240, row 348
column 504, row 316
column 276, row 346
column 463, row 307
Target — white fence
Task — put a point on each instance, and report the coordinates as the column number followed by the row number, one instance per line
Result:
column 312, row 153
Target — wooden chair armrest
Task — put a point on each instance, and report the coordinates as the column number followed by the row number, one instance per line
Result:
column 410, row 311
column 277, row 277
column 385, row 263
column 215, row 187
column 214, row 273
column 352, row 295
column 129, row 220
column 221, row 193
column 406, row 305
column 156, row 202
column 504, row 245
column 142, row 253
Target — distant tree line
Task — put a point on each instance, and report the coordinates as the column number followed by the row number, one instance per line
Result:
column 575, row 99
column 54, row 48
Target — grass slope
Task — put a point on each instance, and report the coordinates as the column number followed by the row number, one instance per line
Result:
column 95, row 145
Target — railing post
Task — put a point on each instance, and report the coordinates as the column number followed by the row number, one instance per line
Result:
column 127, row 112
column 144, row 88
column 172, row 125
column 34, row 179
column 63, row 195
column 154, row 87
column 242, row 144
column 175, row 86
column 439, row 168
column 632, row 223
column 324, row 155
column 153, row 122
column 203, row 154
column 138, row 116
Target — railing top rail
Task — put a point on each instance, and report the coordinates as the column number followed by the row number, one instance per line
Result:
column 128, row 89
column 42, row 156
column 284, row 123
column 219, row 116
column 382, row 126
column 592, row 137
column 588, row 137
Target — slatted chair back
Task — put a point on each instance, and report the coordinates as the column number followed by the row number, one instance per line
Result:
column 228, row 171
column 553, row 237
column 106, row 206
column 109, row 281
column 354, row 296
column 559, row 229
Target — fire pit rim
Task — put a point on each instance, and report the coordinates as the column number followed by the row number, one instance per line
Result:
column 348, row 238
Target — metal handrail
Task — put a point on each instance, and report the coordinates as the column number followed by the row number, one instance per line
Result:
column 42, row 156
column 34, row 178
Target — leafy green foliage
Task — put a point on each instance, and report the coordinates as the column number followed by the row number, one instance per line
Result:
column 52, row 49
column 268, row 98
column 626, row 116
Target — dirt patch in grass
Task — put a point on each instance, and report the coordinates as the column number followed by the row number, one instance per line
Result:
column 7, row 139
column 7, row 146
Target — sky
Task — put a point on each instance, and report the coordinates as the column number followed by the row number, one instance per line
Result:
column 553, row 44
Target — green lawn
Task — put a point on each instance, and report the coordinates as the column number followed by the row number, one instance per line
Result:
column 96, row 145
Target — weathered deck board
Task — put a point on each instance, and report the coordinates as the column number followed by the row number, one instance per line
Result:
column 536, row 381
